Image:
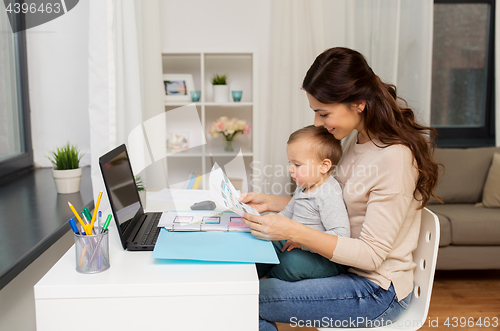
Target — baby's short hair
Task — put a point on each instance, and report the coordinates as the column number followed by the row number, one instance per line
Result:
column 322, row 142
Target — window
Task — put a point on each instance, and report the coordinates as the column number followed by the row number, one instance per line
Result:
column 462, row 104
column 15, row 135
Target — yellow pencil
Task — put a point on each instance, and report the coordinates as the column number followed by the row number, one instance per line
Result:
column 78, row 217
column 95, row 210
column 83, row 255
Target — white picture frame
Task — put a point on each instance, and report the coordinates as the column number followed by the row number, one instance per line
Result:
column 178, row 87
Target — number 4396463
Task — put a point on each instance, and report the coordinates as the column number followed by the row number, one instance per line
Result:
column 463, row 322
column 24, row 8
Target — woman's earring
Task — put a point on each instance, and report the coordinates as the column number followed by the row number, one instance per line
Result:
column 360, row 110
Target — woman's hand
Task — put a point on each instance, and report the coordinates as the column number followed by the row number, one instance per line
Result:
column 263, row 202
column 270, row 227
column 278, row 227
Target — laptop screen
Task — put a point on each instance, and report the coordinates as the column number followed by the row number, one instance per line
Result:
column 120, row 185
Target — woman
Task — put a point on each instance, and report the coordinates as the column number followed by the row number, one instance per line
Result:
column 387, row 175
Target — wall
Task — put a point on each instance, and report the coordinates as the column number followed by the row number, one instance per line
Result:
column 58, row 83
column 58, row 62
column 57, row 59
column 17, row 299
column 205, row 25
column 218, row 25
column 58, row 86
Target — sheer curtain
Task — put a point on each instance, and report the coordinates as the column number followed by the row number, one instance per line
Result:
column 125, row 75
column 395, row 36
column 298, row 36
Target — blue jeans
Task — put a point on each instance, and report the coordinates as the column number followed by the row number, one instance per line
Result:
column 297, row 264
column 346, row 300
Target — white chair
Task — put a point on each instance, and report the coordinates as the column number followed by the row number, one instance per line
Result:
column 425, row 257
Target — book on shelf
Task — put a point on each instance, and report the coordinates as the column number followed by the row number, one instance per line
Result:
column 197, row 182
column 188, row 182
column 193, row 181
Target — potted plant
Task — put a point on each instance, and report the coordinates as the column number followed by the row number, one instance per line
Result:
column 221, row 89
column 67, row 172
column 141, row 189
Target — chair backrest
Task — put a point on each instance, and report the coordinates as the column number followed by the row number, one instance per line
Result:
column 425, row 256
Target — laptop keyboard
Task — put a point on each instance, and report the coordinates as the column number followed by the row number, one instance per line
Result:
column 152, row 232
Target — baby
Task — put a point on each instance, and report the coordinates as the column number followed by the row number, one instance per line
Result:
column 312, row 152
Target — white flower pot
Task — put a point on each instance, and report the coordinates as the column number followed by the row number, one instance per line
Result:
column 67, row 181
column 221, row 93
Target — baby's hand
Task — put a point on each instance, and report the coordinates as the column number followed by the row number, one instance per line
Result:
column 289, row 245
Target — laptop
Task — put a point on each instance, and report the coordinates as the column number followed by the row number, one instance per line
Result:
column 138, row 230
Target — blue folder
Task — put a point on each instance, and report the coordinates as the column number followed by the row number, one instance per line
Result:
column 214, row 246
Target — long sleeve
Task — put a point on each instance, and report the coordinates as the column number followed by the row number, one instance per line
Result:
column 384, row 218
column 288, row 211
column 332, row 210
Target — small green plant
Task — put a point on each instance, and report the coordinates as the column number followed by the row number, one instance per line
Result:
column 139, row 183
column 66, row 157
column 219, row 80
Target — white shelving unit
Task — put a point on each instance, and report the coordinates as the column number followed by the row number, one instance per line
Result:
column 241, row 70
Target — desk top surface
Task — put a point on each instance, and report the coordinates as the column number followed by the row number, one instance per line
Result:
column 138, row 274
column 33, row 217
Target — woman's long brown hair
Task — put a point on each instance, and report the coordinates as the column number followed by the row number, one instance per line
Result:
column 342, row 75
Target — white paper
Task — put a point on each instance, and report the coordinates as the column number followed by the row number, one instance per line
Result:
column 202, row 221
column 225, row 194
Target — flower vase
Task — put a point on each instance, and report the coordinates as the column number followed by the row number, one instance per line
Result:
column 228, row 146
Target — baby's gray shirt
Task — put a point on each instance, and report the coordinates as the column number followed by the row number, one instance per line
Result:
column 322, row 209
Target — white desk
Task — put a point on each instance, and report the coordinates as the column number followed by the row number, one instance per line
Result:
column 140, row 292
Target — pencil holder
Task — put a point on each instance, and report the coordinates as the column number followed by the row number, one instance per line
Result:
column 92, row 253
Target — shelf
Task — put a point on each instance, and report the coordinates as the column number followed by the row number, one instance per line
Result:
column 242, row 72
column 212, row 152
column 209, row 104
column 181, row 103
column 228, row 104
column 222, row 154
column 186, row 154
column 218, row 154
